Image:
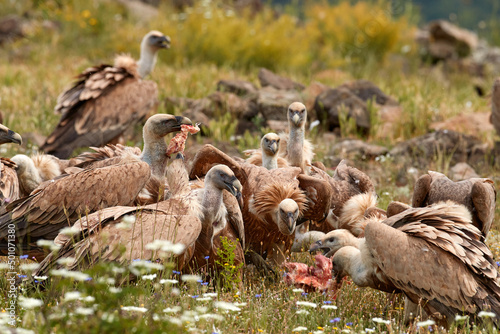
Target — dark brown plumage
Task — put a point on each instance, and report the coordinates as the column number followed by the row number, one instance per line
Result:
column 9, row 184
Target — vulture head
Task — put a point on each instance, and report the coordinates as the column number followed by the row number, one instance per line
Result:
column 160, row 125
column 9, row 136
column 156, row 40
column 288, row 212
column 333, row 241
column 297, row 115
column 270, row 144
column 341, row 261
column 150, row 45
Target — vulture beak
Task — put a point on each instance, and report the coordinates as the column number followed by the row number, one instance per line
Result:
column 291, row 221
column 274, row 147
column 179, row 156
column 296, row 119
column 164, row 42
column 234, row 187
column 318, row 246
column 9, row 136
column 181, row 121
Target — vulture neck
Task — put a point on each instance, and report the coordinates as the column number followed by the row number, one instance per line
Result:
column 269, row 161
column 295, row 146
column 147, row 61
column 211, row 202
column 154, row 154
column 351, row 261
column 27, row 173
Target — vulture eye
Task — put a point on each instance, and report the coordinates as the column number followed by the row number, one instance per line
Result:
column 331, row 240
column 266, row 140
column 302, row 111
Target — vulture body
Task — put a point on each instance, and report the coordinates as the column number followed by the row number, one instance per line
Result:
column 294, row 147
column 476, row 194
column 106, row 100
column 9, row 184
column 268, row 155
column 433, row 253
column 59, row 203
column 272, row 201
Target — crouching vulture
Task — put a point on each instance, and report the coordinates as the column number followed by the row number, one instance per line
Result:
column 59, row 203
column 9, row 184
column 268, row 155
column 106, row 100
column 477, row 194
column 191, row 218
column 434, row 253
column 273, row 200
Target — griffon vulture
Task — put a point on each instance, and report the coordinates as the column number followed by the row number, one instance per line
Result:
column 268, row 155
column 59, row 203
column 433, row 253
column 273, row 200
column 9, row 184
column 477, row 195
column 188, row 218
column 304, row 238
column 294, row 148
column 106, row 100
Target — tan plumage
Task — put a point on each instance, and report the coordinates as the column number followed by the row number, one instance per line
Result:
column 9, row 184
column 434, row 253
column 304, row 238
column 294, row 148
column 263, row 192
column 268, row 155
column 106, row 100
column 477, row 194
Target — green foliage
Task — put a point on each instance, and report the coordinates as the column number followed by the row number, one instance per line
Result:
column 229, row 275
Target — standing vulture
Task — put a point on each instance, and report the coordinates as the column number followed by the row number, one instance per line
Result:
column 106, row 100
column 187, row 218
column 294, row 148
column 273, row 200
column 59, row 203
column 477, row 195
column 268, row 155
column 433, row 253
column 9, row 185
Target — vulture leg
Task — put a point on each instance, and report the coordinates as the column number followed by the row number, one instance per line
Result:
column 258, row 261
column 421, row 190
column 484, row 197
column 396, row 207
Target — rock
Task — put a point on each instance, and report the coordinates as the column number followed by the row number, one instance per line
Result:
column 309, row 95
column 197, row 116
column 227, row 102
column 238, row 87
column 11, row 28
column 462, row 171
column 277, row 126
column 247, row 125
column 329, row 104
column 366, row 90
column 268, row 78
column 495, row 106
column 471, row 124
column 441, row 145
column 351, row 149
column 273, row 103
column 389, row 120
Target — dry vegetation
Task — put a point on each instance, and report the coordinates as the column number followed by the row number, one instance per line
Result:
column 331, row 44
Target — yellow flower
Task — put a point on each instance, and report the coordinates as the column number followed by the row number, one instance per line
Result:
column 86, row 13
column 260, row 330
column 320, row 328
column 92, row 21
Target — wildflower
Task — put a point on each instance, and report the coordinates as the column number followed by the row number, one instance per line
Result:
column 203, row 299
column 92, row 21
column 297, row 290
column 240, row 304
column 169, row 281
column 4, row 266
column 307, row 304
column 425, row 323
column 174, row 309
column 84, row 310
column 134, row 309
column 126, row 223
column 498, row 263
column 348, row 324
column 149, row 277
column 137, row 267
column 88, row 299
column 65, row 260
column 381, row 321
column 72, row 295
column 29, row 303
column 76, row 275
column 129, row 219
column 28, row 266
column 190, row 278
column 304, row 293
column 212, row 316
column 226, row 306
column 113, row 289
column 40, row 278
column 484, row 314
column 201, row 309
column 299, row 329
column 118, row 270
column 69, row 231
column 207, row 257
column 318, row 332
column 176, row 291
column 258, row 295
column 106, row 280
column 175, row 321
column 195, row 296
column 49, row 244
column 210, row 294
column 327, row 302
column 302, row 312
column 176, row 272
column 369, row 330
column 335, row 320
column 329, row 307
column 86, row 13
column 461, row 317
column 166, row 246
column 23, row 257
column 313, row 125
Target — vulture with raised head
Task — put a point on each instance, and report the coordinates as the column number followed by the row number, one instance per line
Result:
column 106, row 100
column 273, row 200
column 189, row 218
column 433, row 253
column 268, row 155
column 476, row 194
column 294, row 147
column 9, row 184
column 59, row 203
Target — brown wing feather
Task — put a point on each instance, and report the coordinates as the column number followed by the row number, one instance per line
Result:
column 483, row 196
column 57, row 204
column 102, row 117
column 88, row 159
column 9, row 184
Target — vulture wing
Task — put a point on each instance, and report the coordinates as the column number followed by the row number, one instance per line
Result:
column 110, row 151
column 9, row 184
column 256, row 159
column 484, row 199
column 435, row 253
column 59, row 203
column 102, row 104
column 421, row 191
column 319, row 195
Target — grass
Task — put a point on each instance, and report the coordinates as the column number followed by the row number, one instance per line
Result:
column 207, row 48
